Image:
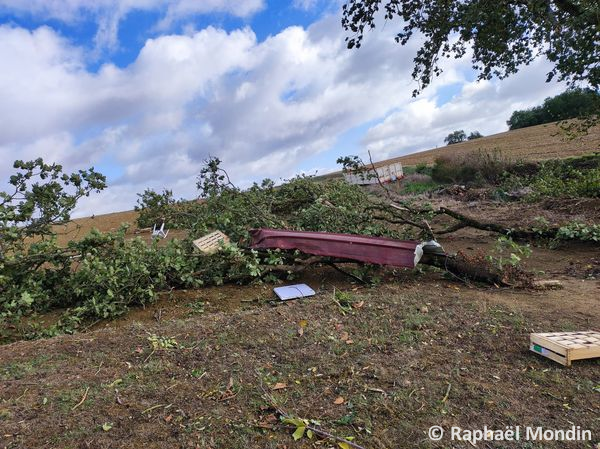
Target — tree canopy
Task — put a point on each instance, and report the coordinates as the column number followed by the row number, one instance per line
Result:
column 455, row 137
column 503, row 35
column 570, row 104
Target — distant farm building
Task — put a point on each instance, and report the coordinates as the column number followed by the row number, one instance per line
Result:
column 386, row 173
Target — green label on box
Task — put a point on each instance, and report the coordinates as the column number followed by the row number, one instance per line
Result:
column 538, row 348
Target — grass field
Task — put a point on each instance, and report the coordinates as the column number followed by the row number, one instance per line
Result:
column 536, row 143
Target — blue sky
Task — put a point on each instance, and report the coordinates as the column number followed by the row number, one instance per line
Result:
column 145, row 90
column 140, row 24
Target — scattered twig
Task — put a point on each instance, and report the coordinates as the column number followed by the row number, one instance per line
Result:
column 445, row 398
column 99, row 367
column 24, row 393
column 383, row 186
column 376, row 390
column 118, row 398
column 85, row 329
column 82, row 399
column 149, row 355
column 149, row 409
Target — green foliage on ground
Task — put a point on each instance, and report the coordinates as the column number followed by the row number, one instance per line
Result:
column 557, row 178
column 104, row 274
column 579, row 231
column 300, row 204
column 572, row 177
column 508, row 252
column 417, row 188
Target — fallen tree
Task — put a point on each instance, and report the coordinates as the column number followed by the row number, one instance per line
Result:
column 103, row 274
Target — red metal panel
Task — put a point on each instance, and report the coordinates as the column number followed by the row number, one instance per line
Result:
column 376, row 250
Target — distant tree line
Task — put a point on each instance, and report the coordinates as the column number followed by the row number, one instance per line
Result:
column 576, row 102
column 460, row 136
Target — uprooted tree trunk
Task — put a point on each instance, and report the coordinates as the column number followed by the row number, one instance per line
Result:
column 464, row 268
column 463, row 221
column 476, row 268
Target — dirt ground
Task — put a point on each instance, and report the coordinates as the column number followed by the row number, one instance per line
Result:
column 417, row 350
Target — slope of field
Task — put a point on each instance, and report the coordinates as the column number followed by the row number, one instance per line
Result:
column 536, row 143
column 79, row 227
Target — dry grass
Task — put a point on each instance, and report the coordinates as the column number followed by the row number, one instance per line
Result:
column 535, row 143
column 80, row 227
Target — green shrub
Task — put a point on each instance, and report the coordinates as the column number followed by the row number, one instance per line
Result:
column 562, row 178
column 423, row 169
column 574, row 177
column 477, row 167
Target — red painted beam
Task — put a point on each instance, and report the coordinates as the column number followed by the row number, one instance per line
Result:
column 375, row 250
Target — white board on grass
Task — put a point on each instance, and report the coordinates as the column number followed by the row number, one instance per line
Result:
column 293, row 291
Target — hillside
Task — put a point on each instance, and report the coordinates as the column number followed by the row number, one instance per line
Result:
column 529, row 144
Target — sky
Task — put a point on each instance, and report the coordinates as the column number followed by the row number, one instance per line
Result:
column 146, row 90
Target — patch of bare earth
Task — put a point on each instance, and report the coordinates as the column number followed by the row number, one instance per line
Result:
column 415, row 352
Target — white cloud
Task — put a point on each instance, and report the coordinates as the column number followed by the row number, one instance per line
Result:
column 483, row 106
column 305, row 4
column 109, row 13
column 262, row 107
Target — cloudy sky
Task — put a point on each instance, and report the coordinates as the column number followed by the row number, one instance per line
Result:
column 145, row 90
